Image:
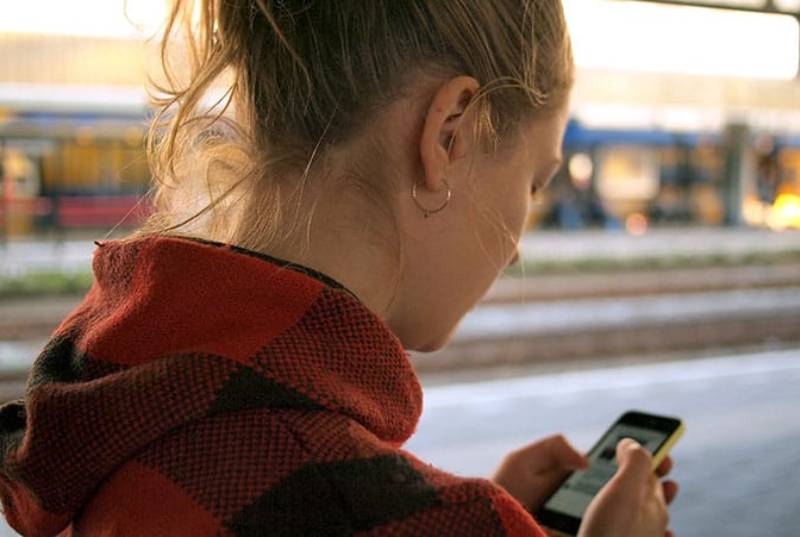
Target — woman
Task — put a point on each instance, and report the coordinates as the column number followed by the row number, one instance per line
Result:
column 239, row 366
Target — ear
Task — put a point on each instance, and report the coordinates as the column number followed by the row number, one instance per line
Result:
column 446, row 123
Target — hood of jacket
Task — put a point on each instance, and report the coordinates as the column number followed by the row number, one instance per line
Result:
column 177, row 329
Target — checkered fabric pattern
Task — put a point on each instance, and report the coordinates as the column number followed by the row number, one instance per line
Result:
column 201, row 389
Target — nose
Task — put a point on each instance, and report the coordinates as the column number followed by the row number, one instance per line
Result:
column 514, row 259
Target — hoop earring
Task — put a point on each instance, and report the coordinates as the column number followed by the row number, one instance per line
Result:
column 432, row 211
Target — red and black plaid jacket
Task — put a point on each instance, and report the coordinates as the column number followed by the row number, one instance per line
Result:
column 202, row 389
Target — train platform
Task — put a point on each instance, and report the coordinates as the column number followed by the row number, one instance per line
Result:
column 723, row 243
column 737, row 464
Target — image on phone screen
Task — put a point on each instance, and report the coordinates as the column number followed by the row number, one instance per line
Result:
column 578, row 490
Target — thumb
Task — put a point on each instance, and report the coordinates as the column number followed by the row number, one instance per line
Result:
column 634, row 462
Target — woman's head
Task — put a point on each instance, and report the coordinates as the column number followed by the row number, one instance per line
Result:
column 339, row 110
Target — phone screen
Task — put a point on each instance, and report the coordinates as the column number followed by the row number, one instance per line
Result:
column 574, row 496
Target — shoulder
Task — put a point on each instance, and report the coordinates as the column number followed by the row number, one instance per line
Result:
column 297, row 473
column 448, row 504
column 387, row 490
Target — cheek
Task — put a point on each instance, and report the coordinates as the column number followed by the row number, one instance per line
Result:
column 460, row 265
column 520, row 214
column 503, row 224
column 515, row 212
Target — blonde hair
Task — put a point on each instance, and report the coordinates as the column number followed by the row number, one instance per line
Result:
column 305, row 76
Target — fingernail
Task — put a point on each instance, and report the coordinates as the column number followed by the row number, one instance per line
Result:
column 629, row 442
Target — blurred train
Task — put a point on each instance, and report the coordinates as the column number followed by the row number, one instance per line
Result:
column 76, row 161
column 73, row 160
column 634, row 178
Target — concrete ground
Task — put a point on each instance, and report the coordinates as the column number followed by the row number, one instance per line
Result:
column 738, row 465
column 709, row 242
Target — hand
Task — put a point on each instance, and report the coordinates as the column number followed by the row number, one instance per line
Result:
column 531, row 473
column 634, row 502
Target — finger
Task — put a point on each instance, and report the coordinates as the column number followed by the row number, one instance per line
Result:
column 555, row 453
column 670, row 490
column 565, row 454
column 665, row 467
column 634, row 462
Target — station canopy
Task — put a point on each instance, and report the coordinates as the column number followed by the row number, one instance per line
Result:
column 785, row 7
column 722, row 38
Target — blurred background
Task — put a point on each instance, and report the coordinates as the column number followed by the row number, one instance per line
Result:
column 660, row 271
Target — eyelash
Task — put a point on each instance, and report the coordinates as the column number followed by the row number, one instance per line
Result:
column 538, row 186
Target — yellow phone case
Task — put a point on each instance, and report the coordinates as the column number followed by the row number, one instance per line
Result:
column 659, row 455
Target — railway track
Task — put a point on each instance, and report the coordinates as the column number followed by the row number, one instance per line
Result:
column 588, row 328
column 554, row 287
column 551, row 319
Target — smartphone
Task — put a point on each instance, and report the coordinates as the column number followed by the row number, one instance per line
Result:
column 564, row 509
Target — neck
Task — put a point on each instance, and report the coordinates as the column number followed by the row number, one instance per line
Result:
column 342, row 247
